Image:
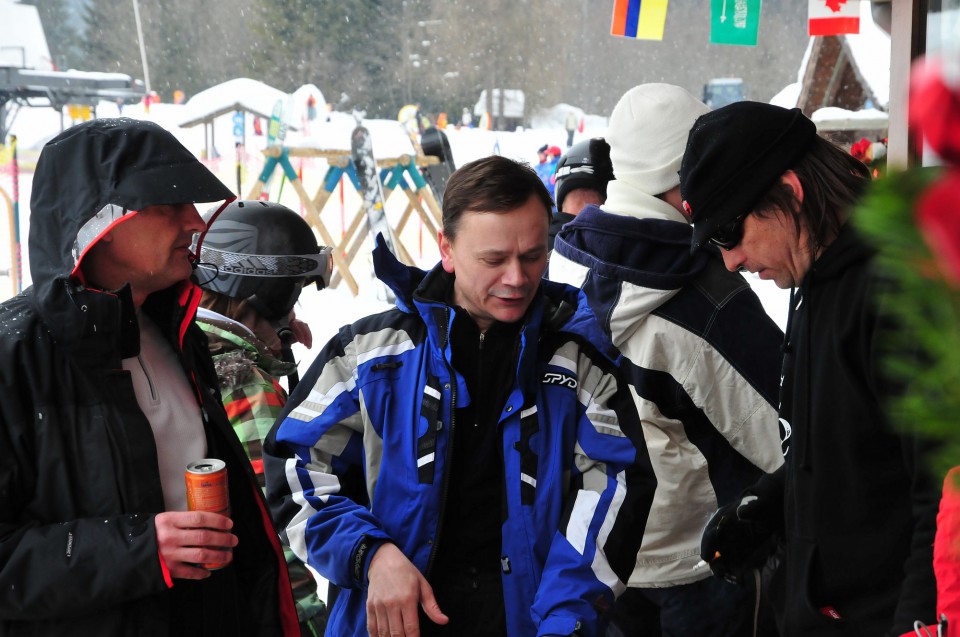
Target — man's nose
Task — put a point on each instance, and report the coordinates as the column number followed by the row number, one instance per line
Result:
column 733, row 259
column 191, row 219
column 514, row 275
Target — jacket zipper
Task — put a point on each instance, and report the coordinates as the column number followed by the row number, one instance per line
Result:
column 449, row 455
column 505, row 566
column 146, row 374
column 476, row 421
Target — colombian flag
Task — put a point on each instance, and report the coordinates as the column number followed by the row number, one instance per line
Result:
column 642, row 19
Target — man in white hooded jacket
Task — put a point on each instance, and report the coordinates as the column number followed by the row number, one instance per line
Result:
column 699, row 351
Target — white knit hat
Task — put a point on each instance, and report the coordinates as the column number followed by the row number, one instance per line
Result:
column 648, row 133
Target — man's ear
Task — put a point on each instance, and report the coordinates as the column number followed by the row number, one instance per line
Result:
column 793, row 182
column 446, row 251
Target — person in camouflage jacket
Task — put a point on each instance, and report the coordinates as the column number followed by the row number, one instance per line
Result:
column 250, row 323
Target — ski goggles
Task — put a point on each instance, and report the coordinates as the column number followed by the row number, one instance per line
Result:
column 312, row 268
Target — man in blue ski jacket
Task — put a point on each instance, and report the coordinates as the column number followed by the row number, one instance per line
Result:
column 458, row 465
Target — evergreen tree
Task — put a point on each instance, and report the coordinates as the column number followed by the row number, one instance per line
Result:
column 63, row 37
column 378, row 55
column 110, row 38
column 183, row 51
column 345, row 48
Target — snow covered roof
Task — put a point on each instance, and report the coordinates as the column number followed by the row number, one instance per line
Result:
column 870, row 50
column 390, row 138
column 241, row 94
column 832, row 118
column 788, row 95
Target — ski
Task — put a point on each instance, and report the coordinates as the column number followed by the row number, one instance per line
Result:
column 361, row 148
column 434, row 143
column 276, row 129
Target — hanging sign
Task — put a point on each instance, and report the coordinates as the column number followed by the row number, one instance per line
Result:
column 735, row 22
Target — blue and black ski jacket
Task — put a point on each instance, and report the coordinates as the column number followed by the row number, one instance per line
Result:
column 380, row 401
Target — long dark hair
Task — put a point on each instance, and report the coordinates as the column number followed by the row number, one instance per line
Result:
column 832, row 180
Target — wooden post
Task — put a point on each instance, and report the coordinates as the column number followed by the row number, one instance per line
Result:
column 314, row 218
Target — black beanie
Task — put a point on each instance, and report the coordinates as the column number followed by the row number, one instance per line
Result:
column 734, row 155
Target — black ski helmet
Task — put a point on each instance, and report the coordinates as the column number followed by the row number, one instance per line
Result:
column 586, row 164
column 262, row 252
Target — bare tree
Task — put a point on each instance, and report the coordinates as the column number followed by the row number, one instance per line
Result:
column 499, row 44
column 110, row 38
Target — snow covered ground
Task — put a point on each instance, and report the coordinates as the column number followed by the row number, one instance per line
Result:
column 326, row 310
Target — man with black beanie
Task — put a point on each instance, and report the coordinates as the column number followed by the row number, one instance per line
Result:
column 853, row 505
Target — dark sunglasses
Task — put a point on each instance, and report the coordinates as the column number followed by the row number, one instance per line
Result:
column 728, row 235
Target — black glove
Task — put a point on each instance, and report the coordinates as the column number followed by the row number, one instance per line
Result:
column 741, row 535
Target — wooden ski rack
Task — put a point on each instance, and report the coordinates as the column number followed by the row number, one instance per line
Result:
column 396, row 173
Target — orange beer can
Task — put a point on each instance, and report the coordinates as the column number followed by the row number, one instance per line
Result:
column 207, row 490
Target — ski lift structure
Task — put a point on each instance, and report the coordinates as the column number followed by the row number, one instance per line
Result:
column 29, row 78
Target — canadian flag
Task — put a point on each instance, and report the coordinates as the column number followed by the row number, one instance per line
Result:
column 834, row 17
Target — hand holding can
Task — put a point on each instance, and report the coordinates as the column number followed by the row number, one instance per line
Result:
column 191, row 541
column 207, row 490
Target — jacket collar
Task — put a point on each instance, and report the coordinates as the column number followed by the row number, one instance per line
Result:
column 428, row 294
column 848, row 248
column 227, row 335
column 102, row 326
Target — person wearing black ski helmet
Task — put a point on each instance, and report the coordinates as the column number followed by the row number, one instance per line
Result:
column 582, row 176
column 255, row 260
column 262, row 252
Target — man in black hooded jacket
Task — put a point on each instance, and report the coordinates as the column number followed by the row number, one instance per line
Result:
column 109, row 393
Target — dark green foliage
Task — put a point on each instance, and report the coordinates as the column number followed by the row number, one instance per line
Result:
column 63, row 36
column 348, row 49
column 109, row 38
column 191, row 45
column 928, row 308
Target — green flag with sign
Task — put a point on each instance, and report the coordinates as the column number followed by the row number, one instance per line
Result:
column 734, row 22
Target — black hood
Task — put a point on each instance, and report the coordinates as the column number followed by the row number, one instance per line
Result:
column 128, row 163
